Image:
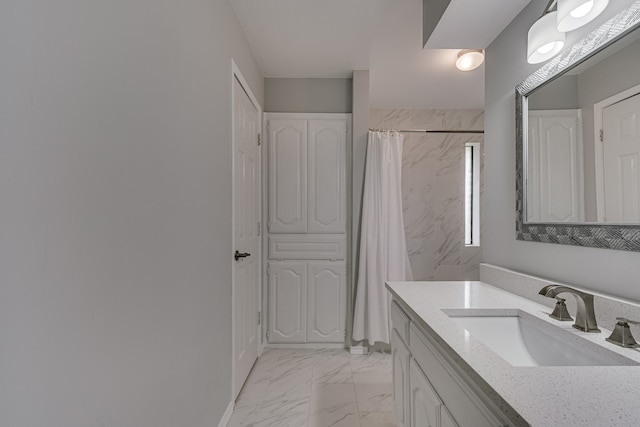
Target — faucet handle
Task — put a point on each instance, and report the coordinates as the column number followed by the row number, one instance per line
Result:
column 560, row 311
column 621, row 334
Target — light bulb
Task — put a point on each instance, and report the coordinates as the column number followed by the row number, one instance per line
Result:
column 582, row 10
column 546, row 48
column 469, row 59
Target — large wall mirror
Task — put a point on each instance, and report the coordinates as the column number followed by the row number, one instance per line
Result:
column 578, row 142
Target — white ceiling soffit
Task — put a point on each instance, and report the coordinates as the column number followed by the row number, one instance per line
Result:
column 473, row 24
column 331, row 38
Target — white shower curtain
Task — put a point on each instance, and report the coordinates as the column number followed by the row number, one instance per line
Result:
column 383, row 249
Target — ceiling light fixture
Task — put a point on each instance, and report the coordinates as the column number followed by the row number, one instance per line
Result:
column 544, row 40
column 469, row 59
column 573, row 14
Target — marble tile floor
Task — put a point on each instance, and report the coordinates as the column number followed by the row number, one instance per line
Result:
column 316, row 388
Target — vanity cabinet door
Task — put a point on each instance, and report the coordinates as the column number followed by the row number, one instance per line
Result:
column 424, row 402
column 326, row 301
column 446, row 420
column 400, row 357
column 287, row 301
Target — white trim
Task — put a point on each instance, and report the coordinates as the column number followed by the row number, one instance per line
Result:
column 598, row 108
column 226, row 417
column 359, row 349
column 308, row 345
column 236, row 74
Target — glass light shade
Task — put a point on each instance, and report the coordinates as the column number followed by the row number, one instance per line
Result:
column 544, row 40
column 469, row 59
column 574, row 14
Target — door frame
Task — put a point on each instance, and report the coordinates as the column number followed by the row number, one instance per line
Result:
column 598, row 108
column 236, row 74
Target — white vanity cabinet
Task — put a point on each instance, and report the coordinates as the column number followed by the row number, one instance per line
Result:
column 439, row 393
column 307, row 227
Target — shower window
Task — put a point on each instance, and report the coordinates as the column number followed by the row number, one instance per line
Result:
column 472, row 194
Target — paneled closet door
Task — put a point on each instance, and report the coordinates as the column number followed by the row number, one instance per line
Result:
column 287, row 176
column 287, row 301
column 327, row 166
column 327, row 301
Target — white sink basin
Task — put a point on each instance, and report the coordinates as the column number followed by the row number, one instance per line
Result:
column 524, row 340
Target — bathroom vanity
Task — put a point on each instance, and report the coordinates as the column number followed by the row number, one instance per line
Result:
column 470, row 354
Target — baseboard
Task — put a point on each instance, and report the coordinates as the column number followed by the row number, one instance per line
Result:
column 309, row 346
column 227, row 415
column 359, row 349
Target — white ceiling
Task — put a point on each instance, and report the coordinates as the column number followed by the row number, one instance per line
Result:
column 331, row 38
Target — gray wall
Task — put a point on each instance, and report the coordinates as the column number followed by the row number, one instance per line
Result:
column 615, row 74
column 608, row 271
column 560, row 94
column 115, row 288
column 307, row 95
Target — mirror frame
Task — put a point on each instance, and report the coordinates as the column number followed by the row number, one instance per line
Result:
column 619, row 237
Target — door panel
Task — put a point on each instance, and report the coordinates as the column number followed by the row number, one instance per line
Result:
column 400, row 357
column 247, row 196
column 287, row 176
column 287, row 301
column 425, row 403
column 327, row 293
column 327, row 189
column 621, row 150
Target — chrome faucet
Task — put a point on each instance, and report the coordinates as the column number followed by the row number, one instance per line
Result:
column 586, row 315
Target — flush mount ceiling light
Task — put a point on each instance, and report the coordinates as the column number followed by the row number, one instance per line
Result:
column 544, row 40
column 574, row 14
column 469, row 59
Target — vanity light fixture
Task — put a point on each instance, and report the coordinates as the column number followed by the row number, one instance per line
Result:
column 544, row 40
column 573, row 14
column 469, row 59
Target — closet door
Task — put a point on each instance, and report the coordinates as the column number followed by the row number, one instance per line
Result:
column 287, row 301
column 287, row 176
column 326, row 301
column 327, row 166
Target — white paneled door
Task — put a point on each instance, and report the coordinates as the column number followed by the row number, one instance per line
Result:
column 287, row 301
column 246, row 234
column 287, row 176
column 326, row 301
column 621, row 152
column 327, row 188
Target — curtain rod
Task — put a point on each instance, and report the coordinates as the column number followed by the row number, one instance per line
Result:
column 427, row 131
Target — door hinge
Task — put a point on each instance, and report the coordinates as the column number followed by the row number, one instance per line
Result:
column 345, row 333
column 267, row 335
column 259, row 228
column 259, row 318
column 269, row 226
column 268, row 270
column 259, row 140
column 601, row 135
column 268, row 127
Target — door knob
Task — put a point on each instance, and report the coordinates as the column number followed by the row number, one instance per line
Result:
column 239, row 255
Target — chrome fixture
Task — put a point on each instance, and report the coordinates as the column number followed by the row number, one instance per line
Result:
column 585, row 316
column 560, row 311
column 621, row 334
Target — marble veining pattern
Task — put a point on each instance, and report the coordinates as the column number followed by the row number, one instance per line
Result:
column 433, row 189
column 316, row 388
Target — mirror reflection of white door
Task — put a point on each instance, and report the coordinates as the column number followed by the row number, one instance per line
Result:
column 621, row 157
column 555, row 190
column 246, row 233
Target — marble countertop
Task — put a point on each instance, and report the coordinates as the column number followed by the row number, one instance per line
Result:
column 541, row 396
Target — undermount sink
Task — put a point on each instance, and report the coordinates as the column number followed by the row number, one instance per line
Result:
column 525, row 340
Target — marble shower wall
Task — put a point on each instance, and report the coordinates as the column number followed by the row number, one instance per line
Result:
column 433, row 189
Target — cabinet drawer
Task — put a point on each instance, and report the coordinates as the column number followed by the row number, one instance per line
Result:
column 399, row 322
column 464, row 404
column 307, row 246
